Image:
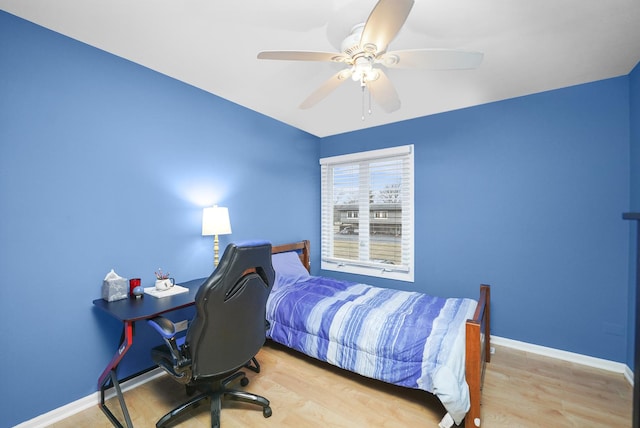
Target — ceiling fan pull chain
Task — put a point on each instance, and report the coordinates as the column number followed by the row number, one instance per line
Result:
column 369, row 102
column 362, row 86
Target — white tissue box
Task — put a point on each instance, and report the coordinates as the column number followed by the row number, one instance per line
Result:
column 114, row 287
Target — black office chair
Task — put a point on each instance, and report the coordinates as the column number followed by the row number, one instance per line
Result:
column 228, row 330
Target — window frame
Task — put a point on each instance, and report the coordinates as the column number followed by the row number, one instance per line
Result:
column 402, row 272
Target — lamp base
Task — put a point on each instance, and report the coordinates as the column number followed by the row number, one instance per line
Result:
column 216, row 250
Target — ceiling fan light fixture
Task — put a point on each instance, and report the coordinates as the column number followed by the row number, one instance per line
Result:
column 361, row 69
column 389, row 60
column 370, row 48
column 344, row 74
column 372, row 75
column 364, row 75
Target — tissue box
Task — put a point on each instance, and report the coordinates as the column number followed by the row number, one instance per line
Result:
column 114, row 289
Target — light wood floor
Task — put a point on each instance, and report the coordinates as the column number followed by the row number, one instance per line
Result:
column 520, row 390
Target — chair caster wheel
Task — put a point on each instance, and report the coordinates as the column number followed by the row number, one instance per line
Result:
column 266, row 412
column 244, row 381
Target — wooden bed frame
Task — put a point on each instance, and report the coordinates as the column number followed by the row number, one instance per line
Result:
column 478, row 337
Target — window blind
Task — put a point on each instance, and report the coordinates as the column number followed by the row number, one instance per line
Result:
column 367, row 213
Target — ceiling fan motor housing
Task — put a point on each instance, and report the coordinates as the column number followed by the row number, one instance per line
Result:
column 351, row 44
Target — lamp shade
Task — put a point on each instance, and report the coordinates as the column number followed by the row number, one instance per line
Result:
column 215, row 221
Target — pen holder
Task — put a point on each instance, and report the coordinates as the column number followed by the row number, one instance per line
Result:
column 165, row 284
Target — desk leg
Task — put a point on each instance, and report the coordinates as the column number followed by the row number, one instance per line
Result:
column 109, row 373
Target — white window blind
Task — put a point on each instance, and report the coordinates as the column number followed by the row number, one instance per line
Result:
column 367, row 213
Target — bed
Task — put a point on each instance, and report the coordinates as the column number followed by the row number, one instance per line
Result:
column 412, row 339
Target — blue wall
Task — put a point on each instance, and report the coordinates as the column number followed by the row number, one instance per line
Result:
column 525, row 195
column 106, row 164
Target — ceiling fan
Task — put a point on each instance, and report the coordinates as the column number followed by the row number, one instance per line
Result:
column 365, row 50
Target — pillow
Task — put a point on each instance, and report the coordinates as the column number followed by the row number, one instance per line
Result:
column 289, row 268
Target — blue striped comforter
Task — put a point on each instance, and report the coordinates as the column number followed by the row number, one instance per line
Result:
column 404, row 338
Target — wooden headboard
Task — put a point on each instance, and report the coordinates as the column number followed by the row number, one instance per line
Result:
column 303, row 248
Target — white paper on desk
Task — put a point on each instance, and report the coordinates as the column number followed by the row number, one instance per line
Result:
column 176, row 289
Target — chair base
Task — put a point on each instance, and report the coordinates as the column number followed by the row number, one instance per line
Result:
column 216, row 393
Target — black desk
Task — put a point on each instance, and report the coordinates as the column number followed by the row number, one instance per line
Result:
column 129, row 311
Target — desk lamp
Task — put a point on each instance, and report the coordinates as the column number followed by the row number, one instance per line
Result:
column 215, row 221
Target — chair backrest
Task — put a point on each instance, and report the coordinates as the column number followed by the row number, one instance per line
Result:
column 229, row 327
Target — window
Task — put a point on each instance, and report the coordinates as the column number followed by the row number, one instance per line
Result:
column 367, row 213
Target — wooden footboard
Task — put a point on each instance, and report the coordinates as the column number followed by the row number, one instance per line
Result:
column 478, row 354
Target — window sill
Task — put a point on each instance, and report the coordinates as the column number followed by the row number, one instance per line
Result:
column 377, row 272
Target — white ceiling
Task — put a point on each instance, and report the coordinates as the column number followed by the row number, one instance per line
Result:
column 529, row 46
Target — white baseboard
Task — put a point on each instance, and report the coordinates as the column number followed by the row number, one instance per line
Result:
column 572, row 357
column 78, row 406
column 628, row 374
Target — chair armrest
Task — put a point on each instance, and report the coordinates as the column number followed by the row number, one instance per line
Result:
column 167, row 329
column 164, row 326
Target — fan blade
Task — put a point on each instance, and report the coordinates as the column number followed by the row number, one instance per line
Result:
column 326, row 88
column 384, row 93
column 384, row 23
column 433, row 59
column 303, row 56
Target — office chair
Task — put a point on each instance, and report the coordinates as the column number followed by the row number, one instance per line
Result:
column 226, row 333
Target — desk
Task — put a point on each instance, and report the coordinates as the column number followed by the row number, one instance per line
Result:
column 129, row 311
